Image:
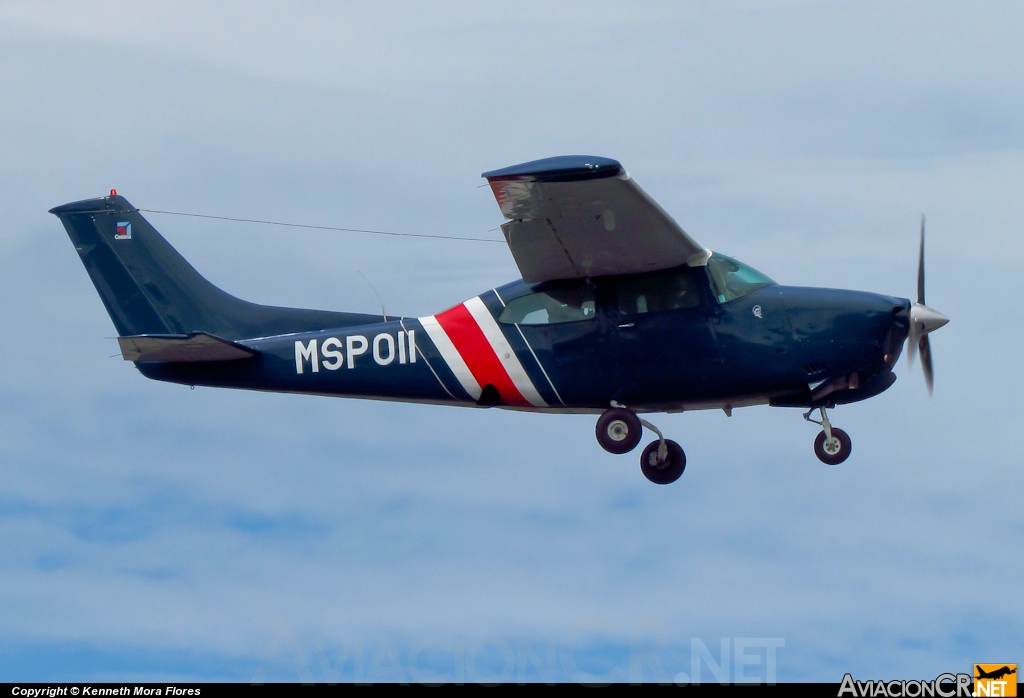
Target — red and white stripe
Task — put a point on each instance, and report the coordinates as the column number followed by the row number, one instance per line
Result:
column 475, row 349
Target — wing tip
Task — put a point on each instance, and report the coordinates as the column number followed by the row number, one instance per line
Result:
column 561, row 168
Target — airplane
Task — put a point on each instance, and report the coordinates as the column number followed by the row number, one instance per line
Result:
column 619, row 313
column 996, row 674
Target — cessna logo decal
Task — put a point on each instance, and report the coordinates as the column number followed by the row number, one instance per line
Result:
column 334, row 352
column 475, row 349
column 123, row 231
column 757, row 312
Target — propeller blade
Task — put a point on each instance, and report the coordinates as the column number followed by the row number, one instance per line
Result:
column 926, row 361
column 920, row 267
column 923, row 320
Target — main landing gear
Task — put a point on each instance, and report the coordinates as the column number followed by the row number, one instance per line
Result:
column 619, row 431
column 832, row 446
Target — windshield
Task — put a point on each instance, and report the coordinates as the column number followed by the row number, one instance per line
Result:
column 731, row 279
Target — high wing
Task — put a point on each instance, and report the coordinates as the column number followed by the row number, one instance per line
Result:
column 576, row 216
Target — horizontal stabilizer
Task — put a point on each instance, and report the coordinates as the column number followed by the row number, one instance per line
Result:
column 172, row 348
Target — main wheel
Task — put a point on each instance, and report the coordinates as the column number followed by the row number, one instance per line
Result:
column 835, row 450
column 670, row 469
column 619, row 430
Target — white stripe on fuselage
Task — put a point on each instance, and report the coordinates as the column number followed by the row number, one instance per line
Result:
column 532, row 352
column 506, row 355
column 451, row 356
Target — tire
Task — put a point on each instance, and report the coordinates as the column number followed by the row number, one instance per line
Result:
column 837, row 452
column 619, row 430
column 667, row 472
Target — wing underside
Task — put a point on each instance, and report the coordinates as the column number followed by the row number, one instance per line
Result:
column 573, row 217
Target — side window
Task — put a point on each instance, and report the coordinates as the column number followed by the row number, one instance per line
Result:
column 652, row 293
column 731, row 279
column 551, row 306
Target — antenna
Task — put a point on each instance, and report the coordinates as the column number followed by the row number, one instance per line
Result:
column 379, row 300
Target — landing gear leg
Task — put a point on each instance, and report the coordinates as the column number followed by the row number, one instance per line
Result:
column 832, row 446
column 662, row 443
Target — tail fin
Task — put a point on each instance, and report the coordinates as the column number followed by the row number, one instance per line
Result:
column 148, row 288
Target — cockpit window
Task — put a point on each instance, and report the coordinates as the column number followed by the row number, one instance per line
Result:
column 570, row 303
column 651, row 293
column 731, row 279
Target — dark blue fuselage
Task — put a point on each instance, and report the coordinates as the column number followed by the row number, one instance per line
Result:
column 584, row 346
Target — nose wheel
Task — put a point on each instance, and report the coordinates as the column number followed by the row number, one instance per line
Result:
column 619, row 430
column 832, row 445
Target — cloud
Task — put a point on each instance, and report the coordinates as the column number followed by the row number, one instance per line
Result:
column 150, row 530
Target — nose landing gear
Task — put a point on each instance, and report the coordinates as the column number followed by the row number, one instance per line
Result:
column 619, row 431
column 832, row 445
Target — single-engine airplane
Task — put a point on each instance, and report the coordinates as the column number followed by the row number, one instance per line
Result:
column 619, row 313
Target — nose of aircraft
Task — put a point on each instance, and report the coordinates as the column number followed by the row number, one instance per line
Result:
column 925, row 319
column 849, row 326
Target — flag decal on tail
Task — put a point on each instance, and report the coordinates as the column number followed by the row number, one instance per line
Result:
column 123, row 231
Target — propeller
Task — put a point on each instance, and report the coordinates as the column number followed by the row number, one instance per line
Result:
column 923, row 320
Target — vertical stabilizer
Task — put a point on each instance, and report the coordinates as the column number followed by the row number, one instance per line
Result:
column 148, row 288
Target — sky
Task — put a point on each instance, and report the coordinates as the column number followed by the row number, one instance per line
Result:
column 152, row 532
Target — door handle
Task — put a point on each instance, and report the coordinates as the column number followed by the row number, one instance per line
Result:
column 626, row 324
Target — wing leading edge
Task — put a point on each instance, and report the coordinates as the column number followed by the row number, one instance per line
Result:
column 576, row 216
